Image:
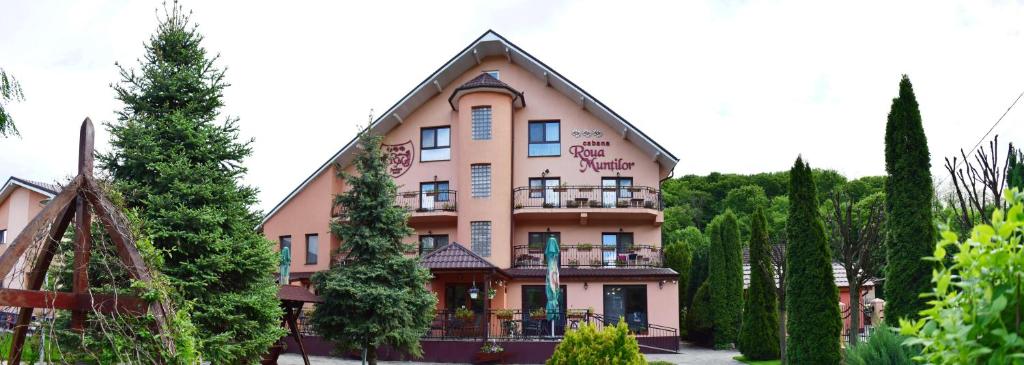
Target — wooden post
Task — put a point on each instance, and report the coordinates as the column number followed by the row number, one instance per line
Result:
column 291, row 316
column 487, row 306
column 83, row 225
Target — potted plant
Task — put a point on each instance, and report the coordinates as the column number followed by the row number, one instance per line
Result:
column 519, row 206
column 574, row 263
column 489, row 353
column 596, row 262
column 584, row 247
column 585, row 189
column 622, row 204
column 491, row 293
column 649, row 204
column 538, row 313
column 447, row 206
column 561, row 188
column 620, row 262
column 594, row 204
column 572, row 204
column 548, row 205
column 463, row 313
column 504, row 314
column 576, row 313
column 410, row 195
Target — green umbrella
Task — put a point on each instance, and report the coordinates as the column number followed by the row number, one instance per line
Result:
column 551, row 255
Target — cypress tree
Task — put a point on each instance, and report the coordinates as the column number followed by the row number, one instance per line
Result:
column 909, row 208
column 379, row 296
column 180, row 169
column 725, row 276
column 677, row 257
column 759, row 335
column 812, row 299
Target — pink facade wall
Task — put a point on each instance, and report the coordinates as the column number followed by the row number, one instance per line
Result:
column 15, row 212
column 507, row 152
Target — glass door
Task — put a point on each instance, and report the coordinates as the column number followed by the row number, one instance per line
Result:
column 433, row 195
column 628, row 302
column 616, row 189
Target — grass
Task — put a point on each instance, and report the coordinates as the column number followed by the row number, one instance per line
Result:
column 753, row 362
column 659, row 362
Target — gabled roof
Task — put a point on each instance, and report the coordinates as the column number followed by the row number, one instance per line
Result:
column 838, row 272
column 454, row 256
column 294, row 293
column 489, row 44
column 49, row 190
column 486, row 82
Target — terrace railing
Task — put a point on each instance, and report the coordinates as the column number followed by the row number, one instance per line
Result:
column 419, row 202
column 587, row 196
column 587, row 255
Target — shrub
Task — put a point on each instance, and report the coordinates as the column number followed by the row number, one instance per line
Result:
column 884, row 347
column 976, row 295
column 698, row 317
column 587, row 345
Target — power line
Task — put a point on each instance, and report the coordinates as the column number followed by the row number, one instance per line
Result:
column 990, row 129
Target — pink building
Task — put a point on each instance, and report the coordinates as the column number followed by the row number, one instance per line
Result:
column 493, row 153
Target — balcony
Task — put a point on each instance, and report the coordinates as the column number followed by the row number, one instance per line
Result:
column 587, row 202
column 590, row 256
column 423, row 206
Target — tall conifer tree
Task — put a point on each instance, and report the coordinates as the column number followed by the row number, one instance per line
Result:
column 908, row 205
column 759, row 335
column 379, row 296
column 180, row 169
column 812, row 299
column 726, row 280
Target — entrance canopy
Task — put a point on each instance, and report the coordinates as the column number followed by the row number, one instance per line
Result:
column 454, row 257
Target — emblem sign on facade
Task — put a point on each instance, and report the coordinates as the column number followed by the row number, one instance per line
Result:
column 399, row 157
column 592, row 153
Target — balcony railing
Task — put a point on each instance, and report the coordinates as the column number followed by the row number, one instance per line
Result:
column 587, row 255
column 419, row 202
column 587, row 196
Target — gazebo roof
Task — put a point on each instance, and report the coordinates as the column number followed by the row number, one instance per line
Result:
column 297, row 294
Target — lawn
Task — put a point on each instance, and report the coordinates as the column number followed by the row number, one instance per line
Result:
column 752, row 362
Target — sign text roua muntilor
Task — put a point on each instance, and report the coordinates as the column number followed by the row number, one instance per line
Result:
column 592, row 157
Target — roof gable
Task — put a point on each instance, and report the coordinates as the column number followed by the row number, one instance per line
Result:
column 454, row 256
column 48, row 190
column 487, row 45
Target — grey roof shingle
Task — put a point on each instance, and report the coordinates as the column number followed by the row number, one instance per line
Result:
column 838, row 273
column 454, row 256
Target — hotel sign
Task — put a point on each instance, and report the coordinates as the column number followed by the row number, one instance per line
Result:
column 399, row 157
column 592, row 156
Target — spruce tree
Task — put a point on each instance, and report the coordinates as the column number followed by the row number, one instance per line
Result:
column 180, row 169
column 725, row 276
column 379, row 296
column 909, row 208
column 812, row 299
column 759, row 334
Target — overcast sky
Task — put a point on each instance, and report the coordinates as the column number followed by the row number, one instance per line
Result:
column 728, row 86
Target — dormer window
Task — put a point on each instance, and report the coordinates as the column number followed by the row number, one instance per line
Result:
column 493, row 73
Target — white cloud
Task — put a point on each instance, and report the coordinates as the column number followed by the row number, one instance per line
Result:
column 726, row 86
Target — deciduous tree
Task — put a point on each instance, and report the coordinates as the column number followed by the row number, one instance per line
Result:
column 10, row 91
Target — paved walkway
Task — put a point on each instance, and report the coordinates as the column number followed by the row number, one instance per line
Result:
column 688, row 355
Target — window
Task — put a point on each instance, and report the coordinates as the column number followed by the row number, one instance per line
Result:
column 286, row 241
column 538, row 241
column 481, row 122
column 312, row 247
column 544, row 187
column 434, row 195
column 431, row 242
column 535, row 297
column 480, row 176
column 617, row 248
column 436, row 144
column 545, row 139
column 616, row 191
column 494, row 73
column 480, row 235
column 628, row 302
column 3, row 236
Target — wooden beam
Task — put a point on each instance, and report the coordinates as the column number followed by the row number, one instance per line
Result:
column 43, row 220
column 508, row 54
column 83, row 223
column 476, row 55
column 291, row 315
column 438, row 86
column 547, row 79
column 398, row 118
column 118, row 229
column 103, row 303
column 35, row 281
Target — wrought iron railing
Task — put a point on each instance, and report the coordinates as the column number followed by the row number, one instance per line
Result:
column 516, row 324
column 418, row 201
column 587, row 255
column 587, row 196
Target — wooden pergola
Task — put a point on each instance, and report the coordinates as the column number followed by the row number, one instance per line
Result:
column 292, row 299
column 79, row 199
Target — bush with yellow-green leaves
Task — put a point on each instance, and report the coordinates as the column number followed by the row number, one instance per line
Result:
column 587, row 345
column 976, row 306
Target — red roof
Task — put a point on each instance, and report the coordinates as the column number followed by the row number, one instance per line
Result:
column 297, row 294
column 454, row 256
column 487, row 82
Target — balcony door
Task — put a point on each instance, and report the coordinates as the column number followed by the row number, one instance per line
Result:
column 615, row 189
column 617, row 248
column 545, row 188
column 433, row 195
